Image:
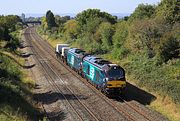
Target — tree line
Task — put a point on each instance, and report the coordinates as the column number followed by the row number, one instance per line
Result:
column 152, row 30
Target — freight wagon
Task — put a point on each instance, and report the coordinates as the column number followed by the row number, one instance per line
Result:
column 58, row 49
column 64, row 53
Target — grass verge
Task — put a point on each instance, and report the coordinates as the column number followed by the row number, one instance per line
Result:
column 16, row 97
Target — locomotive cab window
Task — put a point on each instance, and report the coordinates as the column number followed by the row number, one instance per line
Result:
column 116, row 72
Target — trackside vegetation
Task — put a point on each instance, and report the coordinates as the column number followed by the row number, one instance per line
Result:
column 16, row 97
column 146, row 43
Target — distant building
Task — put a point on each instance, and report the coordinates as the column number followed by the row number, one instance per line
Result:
column 23, row 17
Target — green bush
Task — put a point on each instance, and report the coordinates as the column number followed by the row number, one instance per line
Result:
column 169, row 47
column 15, row 96
column 8, row 69
column 120, row 53
column 162, row 78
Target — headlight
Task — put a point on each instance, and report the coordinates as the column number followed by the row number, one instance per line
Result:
column 107, row 79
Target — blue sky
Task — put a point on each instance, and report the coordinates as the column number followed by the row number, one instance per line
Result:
column 69, row 6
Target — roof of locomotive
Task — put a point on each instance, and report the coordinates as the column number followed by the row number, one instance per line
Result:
column 77, row 52
column 98, row 62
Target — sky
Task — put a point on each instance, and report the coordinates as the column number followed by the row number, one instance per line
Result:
column 69, row 6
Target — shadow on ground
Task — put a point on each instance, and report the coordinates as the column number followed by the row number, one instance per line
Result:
column 23, row 55
column 28, row 67
column 23, row 45
column 26, row 55
column 51, row 97
column 57, row 115
column 137, row 94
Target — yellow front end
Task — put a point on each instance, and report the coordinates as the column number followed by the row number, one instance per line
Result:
column 116, row 84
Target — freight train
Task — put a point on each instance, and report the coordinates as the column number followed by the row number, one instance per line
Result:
column 104, row 75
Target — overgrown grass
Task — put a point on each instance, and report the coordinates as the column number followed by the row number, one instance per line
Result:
column 163, row 79
column 16, row 97
column 15, row 94
column 166, row 107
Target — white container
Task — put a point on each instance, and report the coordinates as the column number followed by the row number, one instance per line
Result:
column 59, row 47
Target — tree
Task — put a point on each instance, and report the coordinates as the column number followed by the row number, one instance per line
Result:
column 84, row 16
column 71, row 29
column 6, row 35
column 169, row 46
column 168, row 11
column 7, row 25
column 121, row 33
column 87, row 35
column 119, row 40
column 106, row 32
column 144, row 36
column 44, row 23
column 9, row 21
column 142, row 12
column 60, row 21
column 50, row 19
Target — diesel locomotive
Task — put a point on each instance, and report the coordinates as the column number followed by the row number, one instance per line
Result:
column 104, row 75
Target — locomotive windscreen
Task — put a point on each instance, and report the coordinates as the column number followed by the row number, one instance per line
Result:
column 116, row 72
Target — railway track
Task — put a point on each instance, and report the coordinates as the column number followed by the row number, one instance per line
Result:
column 133, row 113
column 84, row 113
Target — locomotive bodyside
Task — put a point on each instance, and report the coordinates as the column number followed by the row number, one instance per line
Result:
column 94, row 74
column 74, row 58
column 108, row 77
